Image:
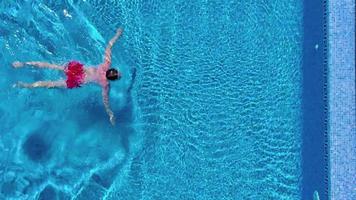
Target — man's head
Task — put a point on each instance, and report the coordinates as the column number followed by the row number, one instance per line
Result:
column 112, row 74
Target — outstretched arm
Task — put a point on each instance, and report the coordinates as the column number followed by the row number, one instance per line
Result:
column 105, row 94
column 18, row 64
column 107, row 59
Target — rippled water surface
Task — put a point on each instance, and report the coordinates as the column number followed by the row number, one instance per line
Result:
column 208, row 107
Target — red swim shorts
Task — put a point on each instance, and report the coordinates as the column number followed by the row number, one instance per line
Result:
column 75, row 74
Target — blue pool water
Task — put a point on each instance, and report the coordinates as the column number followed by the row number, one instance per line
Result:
column 209, row 106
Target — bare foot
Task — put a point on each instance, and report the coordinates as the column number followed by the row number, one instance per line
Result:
column 21, row 84
column 18, row 84
column 17, row 64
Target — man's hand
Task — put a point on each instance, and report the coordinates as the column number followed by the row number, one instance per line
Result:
column 119, row 31
column 112, row 119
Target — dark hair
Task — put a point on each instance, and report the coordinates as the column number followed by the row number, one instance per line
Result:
column 112, row 74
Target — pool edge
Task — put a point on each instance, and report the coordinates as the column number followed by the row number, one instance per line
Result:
column 341, row 79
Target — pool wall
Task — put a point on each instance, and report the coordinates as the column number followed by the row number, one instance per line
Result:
column 342, row 99
column 314, row 101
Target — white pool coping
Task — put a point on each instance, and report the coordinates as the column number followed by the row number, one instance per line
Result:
column 341, row 78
